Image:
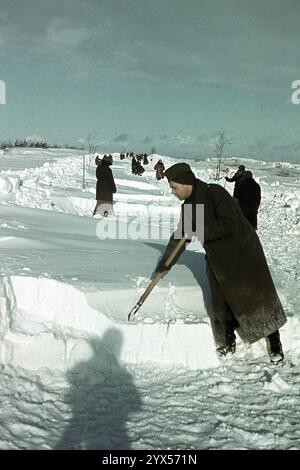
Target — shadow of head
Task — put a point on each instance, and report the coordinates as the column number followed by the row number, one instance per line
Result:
column 111, row 342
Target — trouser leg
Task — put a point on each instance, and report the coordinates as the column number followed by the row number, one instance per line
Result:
column 103, row 208
column 96, row 207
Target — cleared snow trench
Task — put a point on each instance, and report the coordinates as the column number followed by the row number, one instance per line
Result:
column 47, row 323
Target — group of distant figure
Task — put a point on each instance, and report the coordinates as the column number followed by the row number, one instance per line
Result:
column 136, row 167
column 106, row 187
column 247, row 191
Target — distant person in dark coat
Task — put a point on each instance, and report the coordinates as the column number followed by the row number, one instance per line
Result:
column 159, row 167
column 248, row 194
column 139, row 169
column 134, row 164
column 105, row 187
column 237, row 178
column 242, row 290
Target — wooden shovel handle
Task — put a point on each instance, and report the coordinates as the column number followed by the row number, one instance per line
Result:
column 159, row 275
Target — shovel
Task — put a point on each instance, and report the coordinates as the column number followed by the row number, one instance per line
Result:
column 156, row 278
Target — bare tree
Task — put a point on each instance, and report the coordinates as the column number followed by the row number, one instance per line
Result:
column 219, row 143
column 91, row 142
column 153, row 151
column 91, row 147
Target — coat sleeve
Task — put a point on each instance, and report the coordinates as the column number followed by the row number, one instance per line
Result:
column 98, row 171
column 173, row 242
column 230, row 180
column 236, row 176
column 112, row 182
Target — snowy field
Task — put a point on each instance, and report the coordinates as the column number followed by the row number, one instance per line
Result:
column 75, row 374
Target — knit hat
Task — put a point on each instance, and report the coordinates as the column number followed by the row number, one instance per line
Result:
column 180, row 173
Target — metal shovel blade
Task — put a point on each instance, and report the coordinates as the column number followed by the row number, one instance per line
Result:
column 133, row 311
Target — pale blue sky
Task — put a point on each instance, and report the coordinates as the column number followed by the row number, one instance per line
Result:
column 153, row 73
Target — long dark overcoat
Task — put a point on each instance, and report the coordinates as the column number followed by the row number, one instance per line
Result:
column 159, row 167
column 235, row 256
column 249, row 195
column 105, row 182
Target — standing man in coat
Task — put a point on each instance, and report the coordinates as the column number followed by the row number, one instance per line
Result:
column 242, row 290
column 159, row 167
column 248, row 195
column 105, row 187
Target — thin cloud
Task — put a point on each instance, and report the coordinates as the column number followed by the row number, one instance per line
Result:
column 62, row 36
column 255, row 48
column 147, row 140
column 121, row 138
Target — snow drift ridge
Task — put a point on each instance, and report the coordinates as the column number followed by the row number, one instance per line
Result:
column 55, row 330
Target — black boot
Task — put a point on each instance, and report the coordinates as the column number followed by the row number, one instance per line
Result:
column 230, row 339
column 229, row 348
column 275, row 348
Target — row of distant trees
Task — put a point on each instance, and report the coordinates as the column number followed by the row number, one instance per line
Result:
column 35, row 144
column 219, row 143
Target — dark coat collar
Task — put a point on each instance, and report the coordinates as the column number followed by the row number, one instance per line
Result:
column 198, row 194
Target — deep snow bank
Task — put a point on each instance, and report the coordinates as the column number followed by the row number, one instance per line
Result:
column 49, row 324
column 46, row 323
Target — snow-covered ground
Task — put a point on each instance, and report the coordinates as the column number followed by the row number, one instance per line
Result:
column 75, row 373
